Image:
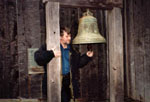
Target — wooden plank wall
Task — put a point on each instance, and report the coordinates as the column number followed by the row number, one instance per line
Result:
column 9, row 81
column 137, row 40
column 29, row 36
column 21, row 28
column 93, row 77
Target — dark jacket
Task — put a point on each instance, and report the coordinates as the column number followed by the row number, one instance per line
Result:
column 42, row 57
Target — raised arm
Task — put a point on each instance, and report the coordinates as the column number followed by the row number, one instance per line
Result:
column 84, row 59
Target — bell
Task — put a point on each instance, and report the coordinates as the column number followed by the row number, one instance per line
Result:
column 88, row 30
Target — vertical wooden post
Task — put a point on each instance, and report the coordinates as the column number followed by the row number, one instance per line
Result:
column 115, row 36
column 108, row 69
column 129, row 49
column 53, row 41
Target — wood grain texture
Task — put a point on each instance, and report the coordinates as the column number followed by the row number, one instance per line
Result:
column 102, row 4
column 21, row 100
column 53, row 41
column 8, row 50
column 19, row 30
column 116, row 55
column 137, row 72
column 29, row 36
column 131, row 54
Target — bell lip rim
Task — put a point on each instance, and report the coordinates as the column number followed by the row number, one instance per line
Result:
column 89, row 43
column 102, row 42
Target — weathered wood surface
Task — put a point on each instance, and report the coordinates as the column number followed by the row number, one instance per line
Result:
column 137, row 49
column 115, row 36
column 103, row 4
column 19, row 30
column 130, row 67
column 29, row 36
column 53, row 42
column 107, row 52
column 102, row 58
column 93, row 80
column 22, row 100
column 114, row 2
column 8, row 50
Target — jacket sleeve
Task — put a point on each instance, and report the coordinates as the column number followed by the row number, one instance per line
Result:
column 84, row 59
column 42, row 56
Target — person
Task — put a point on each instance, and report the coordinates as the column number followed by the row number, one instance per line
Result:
column 72, row 60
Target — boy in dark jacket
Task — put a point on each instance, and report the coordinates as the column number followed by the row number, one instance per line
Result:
column 71, row 62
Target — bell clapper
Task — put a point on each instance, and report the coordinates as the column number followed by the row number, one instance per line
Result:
column 89, row 47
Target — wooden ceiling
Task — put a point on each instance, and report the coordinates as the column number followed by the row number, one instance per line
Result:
column 100, row 4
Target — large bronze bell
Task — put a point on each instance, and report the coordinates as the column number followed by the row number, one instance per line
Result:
column 88, row 30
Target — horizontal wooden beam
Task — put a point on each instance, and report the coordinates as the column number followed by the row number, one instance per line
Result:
column 101, row 4
column 22, row 100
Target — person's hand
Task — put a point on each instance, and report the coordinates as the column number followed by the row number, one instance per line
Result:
column 57, row 53
column 90, row 53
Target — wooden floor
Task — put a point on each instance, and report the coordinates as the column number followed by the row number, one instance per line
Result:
column 41, row 100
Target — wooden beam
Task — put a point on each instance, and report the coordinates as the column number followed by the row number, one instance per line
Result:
column 115, row 36
column 130, row 34
column 114, row 3
column 127, row 76
column 53, row 41
column 108, row 69
column 22, row 100
column 99, row 4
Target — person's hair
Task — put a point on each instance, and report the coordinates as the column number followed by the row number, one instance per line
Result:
column 62, row 29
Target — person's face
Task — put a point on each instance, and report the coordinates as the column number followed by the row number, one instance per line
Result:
column 66, row 38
